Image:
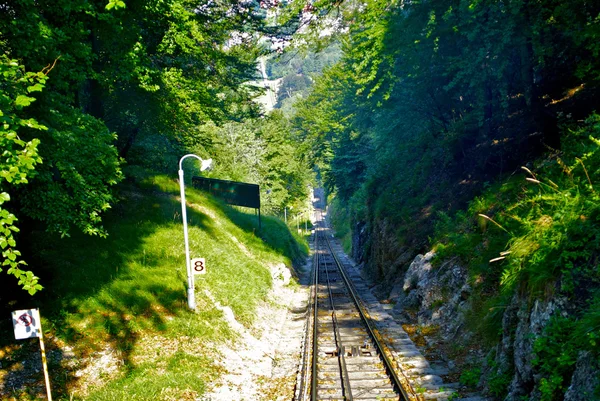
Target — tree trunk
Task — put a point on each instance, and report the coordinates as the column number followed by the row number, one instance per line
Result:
column 95, row 105
column 130, row 140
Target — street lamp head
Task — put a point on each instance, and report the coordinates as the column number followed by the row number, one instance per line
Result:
column 206, row 165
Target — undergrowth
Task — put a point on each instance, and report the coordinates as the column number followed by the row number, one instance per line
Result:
column 125, row 295
column 340, row 219
column 537, row 233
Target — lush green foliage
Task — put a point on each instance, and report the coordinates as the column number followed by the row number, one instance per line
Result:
column 130, row 81
column 19, row 158
column 261, row 151
column 298, row 70
column 556, row 357
column 432, row 100
column 470, row 377
column 538, row 233
column 538, row 228
column 127, row 292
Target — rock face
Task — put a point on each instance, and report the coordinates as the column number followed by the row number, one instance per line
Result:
column 436, row 295
column 378, row 251
column 585, row 380
column 440, row 295
column 521, row 326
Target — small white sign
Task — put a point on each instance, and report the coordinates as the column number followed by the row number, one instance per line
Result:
column 27, row 323
column 199, row 266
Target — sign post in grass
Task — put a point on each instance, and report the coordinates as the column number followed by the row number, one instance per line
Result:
column 205, row 165
column 27, row 324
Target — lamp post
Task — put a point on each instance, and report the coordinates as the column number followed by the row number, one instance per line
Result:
column 205, row 165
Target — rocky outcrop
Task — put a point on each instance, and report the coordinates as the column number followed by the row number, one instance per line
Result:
column 376, row 248
column 522, row 324
column 439, row 294
column 586, row 379
column 434, row 295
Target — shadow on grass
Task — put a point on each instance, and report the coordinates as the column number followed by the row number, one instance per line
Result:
column 273, row 232
column 76, row 269
column 93, row 295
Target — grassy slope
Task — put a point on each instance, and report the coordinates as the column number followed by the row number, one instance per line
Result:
column 340, row 219
column 128, row 291
column 537, row 234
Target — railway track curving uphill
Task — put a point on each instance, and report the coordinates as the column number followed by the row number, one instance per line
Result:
column 345, row 357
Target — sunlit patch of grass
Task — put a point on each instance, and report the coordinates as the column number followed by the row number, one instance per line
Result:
column 181, row 376
column 127, row 293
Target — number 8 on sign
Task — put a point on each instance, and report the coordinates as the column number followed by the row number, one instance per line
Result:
column 199, row 266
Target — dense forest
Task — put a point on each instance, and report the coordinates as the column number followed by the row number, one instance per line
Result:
column 90, row 89
column 464, row 127
column 469, row 128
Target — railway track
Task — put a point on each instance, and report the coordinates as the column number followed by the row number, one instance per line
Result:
column 345, row 357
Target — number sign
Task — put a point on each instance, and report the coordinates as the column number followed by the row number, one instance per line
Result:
column 199, row 266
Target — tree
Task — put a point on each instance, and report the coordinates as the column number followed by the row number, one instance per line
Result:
column 121, row 70
column 433, row 93
column 18, row 160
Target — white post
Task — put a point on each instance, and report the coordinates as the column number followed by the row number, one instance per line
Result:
column 205, row 164
column 285, row 214
column 45, row 366
column 191, row 296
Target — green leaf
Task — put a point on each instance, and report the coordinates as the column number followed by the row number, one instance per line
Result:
column 116, row 4
column 24, row 101
column 35, row 88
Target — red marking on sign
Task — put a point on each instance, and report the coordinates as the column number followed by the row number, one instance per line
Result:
column 25, row 320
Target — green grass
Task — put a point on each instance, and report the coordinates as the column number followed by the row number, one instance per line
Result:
column 537, row 234
column 340, row 219
column 129, row 290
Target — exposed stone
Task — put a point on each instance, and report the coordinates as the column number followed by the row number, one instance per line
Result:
column 439, row 296
column 586, row 379
column 417, row 274
column 530, row 325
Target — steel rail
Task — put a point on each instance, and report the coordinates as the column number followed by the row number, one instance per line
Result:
column 382, row 350
column 346, row 389
column 303, row 387
column 313, row 388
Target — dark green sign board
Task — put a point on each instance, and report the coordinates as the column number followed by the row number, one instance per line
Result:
column 232, row 192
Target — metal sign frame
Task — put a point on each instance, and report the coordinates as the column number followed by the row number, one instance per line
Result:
column 232, row 192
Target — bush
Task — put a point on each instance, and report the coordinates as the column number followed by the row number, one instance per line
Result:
column 555, row 356
column 470, row 377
